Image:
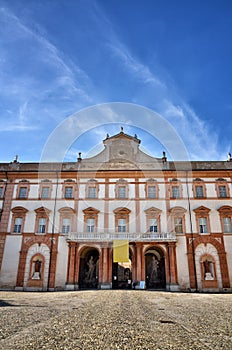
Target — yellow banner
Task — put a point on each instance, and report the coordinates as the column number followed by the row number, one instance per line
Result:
column 121, row 251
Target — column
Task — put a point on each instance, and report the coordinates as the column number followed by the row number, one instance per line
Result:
column 173, row 267
column 138, row 262
column 71, row 262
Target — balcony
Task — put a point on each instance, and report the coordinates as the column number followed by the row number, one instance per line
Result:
column 131, row 237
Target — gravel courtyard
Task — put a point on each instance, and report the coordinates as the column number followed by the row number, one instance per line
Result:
column 115, row 320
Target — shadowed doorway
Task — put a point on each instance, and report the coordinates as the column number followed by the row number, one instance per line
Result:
column 155, row 269
column 89, row 269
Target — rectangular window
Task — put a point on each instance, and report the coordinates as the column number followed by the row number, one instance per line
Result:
column 175, row 192
column 42, row 225
column 66, row 225
column 153, row 225
column 45, row 192
column 1, row 192
column 23, row 192
column 222, row 191
column 92, row 193
column 227, row 225
column 121, row 225
column 68, row 192
column 178, row 225
column 199, row 192
column 18, row 225
column 203, row 225
column 122, row 192
column 151, row 191
column 91, row 225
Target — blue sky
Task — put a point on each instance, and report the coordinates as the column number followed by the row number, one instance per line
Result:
column 60, row 57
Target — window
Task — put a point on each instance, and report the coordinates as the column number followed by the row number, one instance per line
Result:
column 225, row 213
column 42, row 225
column 18, row 219
column 18, row 225
column 227, row 225
column 151, row 188
column 202, row 219
column 153, row 219
column 66, row 225
column 222, row 188
column 90, row 225
column 199, row 188
column 178, row 225
column 68, row 192
column 121, row 191
column 45, row 192
column 92, row 188
column 153, row 225
column 90, row 219
column 66, row 219
column 121, row 225
column 69, row 187
column 23, row 192
column 92, row 192
column 23, row 189
column 203, row 225
column 42, row 217
column 222, row 191
column 122, row 219
column 199, row 191
column 177, row 220
column 175, row 192
column 1, row 192
column 151, row 192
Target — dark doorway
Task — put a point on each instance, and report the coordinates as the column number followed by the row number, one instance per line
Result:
column 122, row 275
column 89, row 269
column 155, row 269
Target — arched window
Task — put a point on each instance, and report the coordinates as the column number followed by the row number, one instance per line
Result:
column 225, row 213
column 42, row 218
column 203, row 222
column 18, row 219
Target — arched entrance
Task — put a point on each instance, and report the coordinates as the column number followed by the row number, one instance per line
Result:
column 155, row 268
column 122, row 274
column 89, row 268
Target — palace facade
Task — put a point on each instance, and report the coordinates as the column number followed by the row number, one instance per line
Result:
column 60, row 223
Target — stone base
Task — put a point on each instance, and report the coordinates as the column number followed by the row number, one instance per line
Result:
column 210, row 284
column 35, row 283
column 105, row 286
column 19, row 289
column 173, row 287
column 71, row 286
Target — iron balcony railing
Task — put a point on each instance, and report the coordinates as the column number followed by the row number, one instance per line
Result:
column 132, row 237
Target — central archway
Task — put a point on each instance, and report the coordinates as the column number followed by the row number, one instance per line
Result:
column 89, row 269
column 155, row 268
column 122, row 274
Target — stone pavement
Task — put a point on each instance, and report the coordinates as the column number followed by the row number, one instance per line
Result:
column 115, row 320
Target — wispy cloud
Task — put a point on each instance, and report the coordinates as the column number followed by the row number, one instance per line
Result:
column 66, row 79
column 133, row 66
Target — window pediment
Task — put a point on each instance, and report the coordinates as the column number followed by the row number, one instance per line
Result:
column 122, row 211
column 153, row 211
column 66, row 210
column 178, row 210
column 19, row 210
column 91, row 211
column 42, row 211
column 201, row 210
column 225, row 209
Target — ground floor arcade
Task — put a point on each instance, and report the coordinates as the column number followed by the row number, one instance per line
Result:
column 92, row 266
